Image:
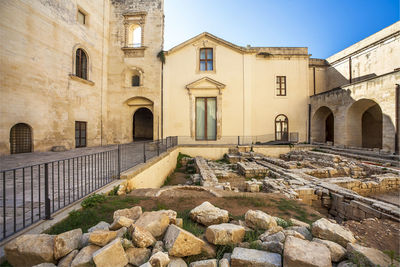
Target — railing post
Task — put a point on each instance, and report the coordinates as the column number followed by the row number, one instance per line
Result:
column 238, row 140
column 144, row 152
column 46, row 192
column 158, row 147
column 119, row 160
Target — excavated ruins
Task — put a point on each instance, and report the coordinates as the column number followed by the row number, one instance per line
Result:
column 345, row 186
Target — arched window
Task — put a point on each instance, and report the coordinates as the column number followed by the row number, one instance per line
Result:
column 281, row 128
column 81, row 64
column 20, row 138
column 135, row 80
column 135, row 36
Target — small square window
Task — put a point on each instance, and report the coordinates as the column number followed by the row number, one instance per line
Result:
column 206, row 59
column 81, row 17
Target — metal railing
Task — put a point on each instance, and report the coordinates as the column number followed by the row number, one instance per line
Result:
column 34, row 192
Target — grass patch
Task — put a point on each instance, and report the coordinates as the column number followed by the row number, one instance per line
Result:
column 288, row 206
column 179, row 160
column 167, row 180
column 250, row 201
column 93, row 200
column 251, row 236
column 5, row 264
column 284, row 224
column 90, row 216
column 190, row 225
column 160, row 206
column 222, row 249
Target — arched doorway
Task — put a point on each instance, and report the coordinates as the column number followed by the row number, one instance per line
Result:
column 20, row 138
column 281, row 128
column 364, row 124
column 323, row 125
column 143, row 124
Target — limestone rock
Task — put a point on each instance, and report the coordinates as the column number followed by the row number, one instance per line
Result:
column 181, row 243
column 179, row 222
column 223, row 263
column 121, row 232
column 171, row 215
column 66, row 242
column 368, row 256
column 155, row 222
column 338, row 253
column 346, row 264
column 257, row 219
column 176, row 262
column 271, row 231
column 302, row 230
column 102, row 237
column 209, row 250
column 327, row 230
column 120, row 222
column 254, row 258
column 126, row 243
column 299, row 252
column 28, row 250
column 132, row 213
column 84, row 242
column 138, row 256
column 67, row 260
column 158, row 246
column 100, row 226
column 204, row 263
column 45, row 265
column 293, row 233
column 278, row 237
column 207, row 214
column 160, row 259
column 272, row 246
column 113, row 254
column 85, row 257
column 142, row 238
column 224, row 234
column 299, row 223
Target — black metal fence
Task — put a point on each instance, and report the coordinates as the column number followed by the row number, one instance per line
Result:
column 31, row 193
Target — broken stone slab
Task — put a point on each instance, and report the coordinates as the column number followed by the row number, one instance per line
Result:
column 120, row 222
column 85, row 256
column 100, row 226
column 277, row 237
column 155, row 222
column 254, row 258
column 45, row 265
column 223, row 263
column 132, row 213
column 179, row 222
column 171, row 215
column 327, row 230
column 207, row 214
column 67, row 260
column 181, row 243
column 160, row 259
column 368, row 256
column 66, row 242
column 113, row 254
column 158, row 246
column 204, row 263
column 299, row 252
column 102, row 237
column 142, row 238
column 301, row 230
column 176, row 262
column 28, row 250
column 338, row 253
column 258, row 219
column 121, row 232
column 272, row 246
column 126, row 243
column 224, row 234
column 138, row 256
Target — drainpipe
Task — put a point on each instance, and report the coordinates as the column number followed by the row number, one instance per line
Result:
column 397, row 106
column 162, row 101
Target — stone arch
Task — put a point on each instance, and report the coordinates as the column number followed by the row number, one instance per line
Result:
column 143, row 122
column 21, row 138
column 322, row 125
column 135, row 35
column 364, row 124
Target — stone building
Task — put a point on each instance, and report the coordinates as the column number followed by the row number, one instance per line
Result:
column 88, row 73
column 74, row 73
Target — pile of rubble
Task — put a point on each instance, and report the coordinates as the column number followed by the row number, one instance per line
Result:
column 151, row 239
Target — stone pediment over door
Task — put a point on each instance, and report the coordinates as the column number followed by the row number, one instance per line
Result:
column 205, row 83
column 139, row 101
column 205, row 87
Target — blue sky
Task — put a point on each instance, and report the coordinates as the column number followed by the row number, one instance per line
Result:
column 324, row 26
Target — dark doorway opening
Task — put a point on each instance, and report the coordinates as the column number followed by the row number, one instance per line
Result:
column 20, row 138
column 372, row 127
column 329, row 128
column 143, row 125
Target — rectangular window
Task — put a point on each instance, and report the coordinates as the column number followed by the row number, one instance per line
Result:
column 81, row 17
column 280, row 85
column 206, row 59
column 206, row 122
column 80, row 134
